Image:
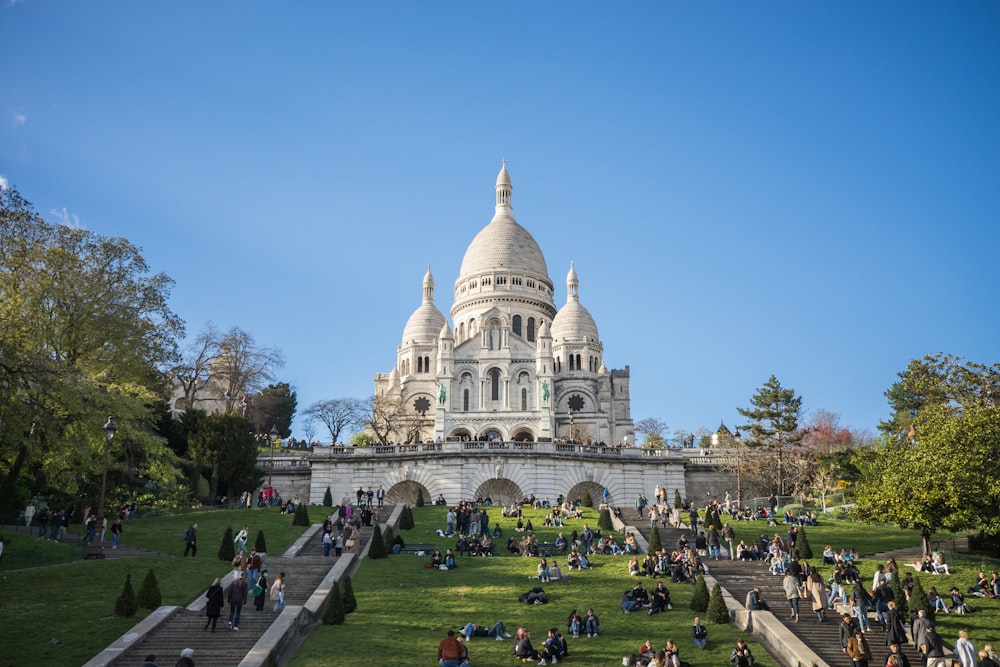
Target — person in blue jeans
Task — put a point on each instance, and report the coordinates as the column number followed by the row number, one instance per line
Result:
column 498, row 630
column 237, row 596
column 591, row 623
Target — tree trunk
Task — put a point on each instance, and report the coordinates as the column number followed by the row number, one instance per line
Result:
column 925, row 541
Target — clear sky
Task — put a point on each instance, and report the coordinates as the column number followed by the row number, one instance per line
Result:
column 804, row 189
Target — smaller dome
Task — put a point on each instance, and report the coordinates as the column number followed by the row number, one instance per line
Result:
column 446, row 333
column 424, row 325
column 573, row 321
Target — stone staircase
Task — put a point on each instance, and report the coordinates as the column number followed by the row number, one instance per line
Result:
column 740, row 577
column 224, row 647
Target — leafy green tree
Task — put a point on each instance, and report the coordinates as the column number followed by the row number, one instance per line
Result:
column 85, row 332
column 275, row 406
column 334, row 613
column 126, row 605
column 301, row 516
column 328, row 498
column 774, row 424
column 700, row 597
column 227, row 550
column 717, row 612
column 347, row 594
column 224, row 447
column 149, row 593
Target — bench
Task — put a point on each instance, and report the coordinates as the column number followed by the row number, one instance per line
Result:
column 418, row 547
column 546, row 549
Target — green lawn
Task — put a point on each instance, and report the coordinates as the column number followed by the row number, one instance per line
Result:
column 62, row 614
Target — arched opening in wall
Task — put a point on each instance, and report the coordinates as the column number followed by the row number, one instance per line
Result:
column 495, row 385
column 461, row 332
column 465, row 400
column 515, row 325
column 407, row 492
column 523, row 435
column 491, row 434
column 531, row 329
column 581, row 489
column 460, row 434
column 499, row 491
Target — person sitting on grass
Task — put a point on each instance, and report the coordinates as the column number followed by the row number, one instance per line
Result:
column 555, row 646
column 659, row 600
column 591, row 623
column 451, row 652
column 574, row 624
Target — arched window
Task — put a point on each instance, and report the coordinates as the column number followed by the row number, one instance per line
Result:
column 558, row 364
column 427, row 364
column 572, row 362
column 495, row 385
column 515, row 325
column 420, row 364
column 461, row 332
column 578, row 366
column 531, row 329
column 524, row 399
column 465, row 400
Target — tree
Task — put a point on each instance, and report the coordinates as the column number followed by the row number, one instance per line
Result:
column 126, row 605
column 376, row 549
column 386, row 418
column 406, row 518
column 85, row 332
column 273, row 406
column 328, row 498
column 654, row 540
column 334, row 613
column 803, row 549
column 193, row 372
column 338, row 414
column 700, row 597
column 301, row 516
column 899, row 596
column 653, row 428
column 918, row 600
column 149, row 593
column 227, row 550
column 774, row 424
column 347, row 594
column 241, row 367
column 225, row 447
column 717, row 613
column 604, row 520
column 261, row 543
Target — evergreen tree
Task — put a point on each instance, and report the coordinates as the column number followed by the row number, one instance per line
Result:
column 774, row 424
column 918, row 600
column 301, row 516
column 227, row 550
column 899, row 597
column 654, row 540
column 334, row 613
column 700, row 598
column 347, row 595
column 420, row 498
column 717, row 612
column 586, row 501
column 406, row 518
column 261, row 544
column 678, row 501
column 377, row 550
column 802, row 547
column 149, row 593
column 604, row 521
column 328, row 498
column 387, row 537
column 126, row 605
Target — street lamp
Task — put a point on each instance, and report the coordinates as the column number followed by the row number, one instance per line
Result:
column 96, row 549
column 739, row 471
column 270, row 467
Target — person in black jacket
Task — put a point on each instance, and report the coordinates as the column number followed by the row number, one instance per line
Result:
column 213, row 609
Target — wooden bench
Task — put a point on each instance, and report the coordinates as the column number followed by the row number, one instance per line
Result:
column 546, row 549
column 418, row 547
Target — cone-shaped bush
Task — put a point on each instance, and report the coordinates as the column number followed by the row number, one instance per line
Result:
column 604, row 521
column 586, row 500
column 717, row 612
column 301, row 516
column 654, row 540
column 918, row 600
column 334, row 613
column 899, row 597
column 387, row 538
column 126, row 605
column 377, row 550
column 678, row 502
column 149, row 593
column 328, row 498
column 406, row 518
column 261, row 544
column 347, row 595
column 802, row 546
column 699, row 600
column 227, row 550
column 420, row 498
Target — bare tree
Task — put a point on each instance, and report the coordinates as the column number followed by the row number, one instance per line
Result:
column 338, row 414
column 653, row 428
column 241, row 367
column 385, row 418
column 194, row 370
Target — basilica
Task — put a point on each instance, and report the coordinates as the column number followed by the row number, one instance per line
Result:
column 511, row 366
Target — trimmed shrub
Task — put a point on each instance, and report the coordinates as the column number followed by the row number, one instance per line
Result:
column 301, row 516
column 654, row 540
column 918, row 600
column 377, row 550
column 126, row 605
column 347, row 594
column 420, row 498
column 227, row 550
column 149, row 593
column 406, row 518
column 334, row 613
column 899, row 597
column 261, row 544
column 604, row 521
column 328, row 498
column 717, row 612
column 387, row 536
column 586, row 501
column 700, row 598
column 802, row 547
column 678, row 502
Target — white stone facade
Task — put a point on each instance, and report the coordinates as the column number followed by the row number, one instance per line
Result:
column 511, row 366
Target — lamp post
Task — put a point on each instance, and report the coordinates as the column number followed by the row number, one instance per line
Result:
column 270, row 468
column 96, row 549
column 739, row 471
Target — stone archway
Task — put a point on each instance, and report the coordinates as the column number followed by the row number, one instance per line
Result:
column 523, row 435
column 581, row 489
column 460, row 435
column 407, row 493
column 499, row 491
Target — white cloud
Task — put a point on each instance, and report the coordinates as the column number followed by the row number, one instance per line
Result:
column 11, row 3
column 65, row 217
column 3, row 182
column 19, row 118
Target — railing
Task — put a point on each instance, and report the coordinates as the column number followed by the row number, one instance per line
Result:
column 488, row 448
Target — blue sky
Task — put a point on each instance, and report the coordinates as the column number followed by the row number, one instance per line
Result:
column 804, row 189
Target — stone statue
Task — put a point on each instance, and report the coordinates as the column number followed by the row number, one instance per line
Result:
column 442, row 394
column 545, row 392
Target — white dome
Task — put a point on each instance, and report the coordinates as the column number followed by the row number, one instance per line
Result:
column 574, row 322
column 424, row 325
